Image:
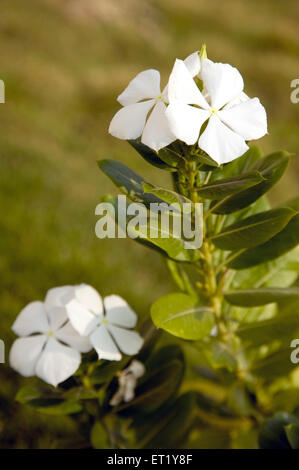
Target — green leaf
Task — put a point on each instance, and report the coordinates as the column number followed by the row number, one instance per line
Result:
column 292, row 432
column 149, row 155
column 256, row 297
column 162, row 241
column 106, row 371
column 280, row 244
column 273, row 435
column 98, row 436
column 167, row 195
column 129, row 182
column 169, row 428
column 55, row 407
column 171, row 155
column 244, row 163
column 47, row 401
column 271, row 168
column 175, row 247
column 253, row 230
column 180, row 315
column 282, row 328
column 27, row 394
column 224, row 187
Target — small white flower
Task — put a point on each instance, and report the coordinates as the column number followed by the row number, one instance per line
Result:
column 127, row 382
column 232, row 117
column 108, row 323
column 142, row 95
column 44, row 332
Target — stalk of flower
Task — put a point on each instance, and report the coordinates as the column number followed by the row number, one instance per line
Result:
column 127, row 382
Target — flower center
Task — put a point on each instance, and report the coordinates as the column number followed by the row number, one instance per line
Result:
column 104, row 321
column 159, row 97
column 50, row 333
column 213, row 111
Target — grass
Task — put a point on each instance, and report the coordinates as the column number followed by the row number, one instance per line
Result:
column 63, row 64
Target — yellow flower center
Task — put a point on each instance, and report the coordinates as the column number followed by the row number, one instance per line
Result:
column 50, row 333
column 104, row 321
column 213, row 111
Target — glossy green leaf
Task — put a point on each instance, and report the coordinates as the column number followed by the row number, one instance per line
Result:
column 98, row 436
column 27, row 394
column 224, row 187
column 180, row 315
column 47, row 401
column 129, row 182
column 244, row 163
column 292, row 432
column 282, row 328
column 271, row 168
column 273, row 366
column 170, row 428
column 256, row 297
column 280, row 244
column 253, row 230
column 273, row 435
column 106, row 371
column 167, row 195
column 149, row 155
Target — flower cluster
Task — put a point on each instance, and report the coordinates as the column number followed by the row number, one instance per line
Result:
column 71, row 320
column 203, row 103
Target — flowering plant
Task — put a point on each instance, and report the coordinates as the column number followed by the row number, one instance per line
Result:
column 225, row 370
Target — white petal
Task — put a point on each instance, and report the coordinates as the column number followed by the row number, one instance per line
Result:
column 222, row 81
column 222, row 144
column 192, row 63
column 32, row 319
column 57, row 362
column 185, row 121
column 241, row 98
column 248, row 119
column 25, row 352
column 54, row 303
column 129, row 342
column 181, row 86
column 128, row 123
column 56, row 295
column 104, row 344
column 119, row 312
column 89, row 298
column 144, row 86
column 157, row 134
column 68, row 335
column 82, row 319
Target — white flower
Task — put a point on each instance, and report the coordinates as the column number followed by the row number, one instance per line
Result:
column 108, row 323
column 127, row 382
column 142, row 95
column 44, row 332
column 230, row 122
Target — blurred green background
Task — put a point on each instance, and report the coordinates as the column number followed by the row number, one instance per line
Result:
column 63, row 63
